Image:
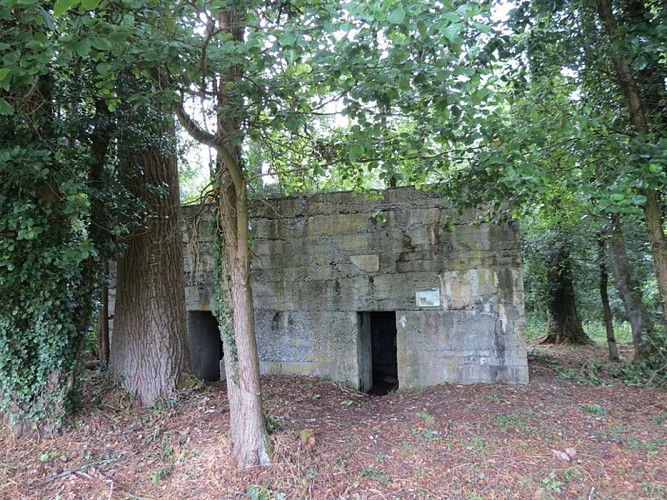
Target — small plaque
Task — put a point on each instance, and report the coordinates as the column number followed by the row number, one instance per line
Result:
column 428, row 297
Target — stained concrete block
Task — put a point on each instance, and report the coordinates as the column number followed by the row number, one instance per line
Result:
column 199, row 298
column 308, row 343
column 369, row 263
column 455, row 346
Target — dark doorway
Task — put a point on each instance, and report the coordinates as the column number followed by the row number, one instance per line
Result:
column 205, row 345
column 383, row 352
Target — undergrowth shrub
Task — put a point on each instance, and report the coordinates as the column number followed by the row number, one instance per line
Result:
column 651, row 371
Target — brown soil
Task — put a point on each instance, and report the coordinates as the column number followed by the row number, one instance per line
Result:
column 553, row 438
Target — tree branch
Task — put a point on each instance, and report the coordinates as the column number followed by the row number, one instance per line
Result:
column 191, row 127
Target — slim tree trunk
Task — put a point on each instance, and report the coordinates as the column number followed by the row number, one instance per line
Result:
column 103, row 329
column 564, row 323
column 101, row 138
column 149, row 350
column 628, row 84
column 629, row 291
column 604, row 298
column 251, row 443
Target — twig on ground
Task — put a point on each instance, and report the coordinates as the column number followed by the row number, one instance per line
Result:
column 74, row 471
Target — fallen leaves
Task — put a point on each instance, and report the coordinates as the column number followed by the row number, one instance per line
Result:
column 332, row 442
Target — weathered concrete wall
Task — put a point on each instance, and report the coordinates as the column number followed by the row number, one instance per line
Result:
column 320, row 261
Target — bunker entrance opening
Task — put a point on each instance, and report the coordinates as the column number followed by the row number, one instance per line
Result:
column 379, row 365
column 205, row 345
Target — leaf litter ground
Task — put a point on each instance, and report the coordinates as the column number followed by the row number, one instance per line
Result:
column 553, row 438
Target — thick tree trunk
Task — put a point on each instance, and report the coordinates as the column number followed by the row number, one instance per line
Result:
column 628, row 84
column 604, row 298
column 149, row 350
column 629, row 291
column 564, row 322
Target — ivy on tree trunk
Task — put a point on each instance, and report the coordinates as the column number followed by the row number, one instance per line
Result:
column 251, row 443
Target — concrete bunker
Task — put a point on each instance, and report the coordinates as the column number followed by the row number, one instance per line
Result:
column 332, row 273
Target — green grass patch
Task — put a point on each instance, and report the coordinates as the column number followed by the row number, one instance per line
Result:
column 536, row 327
column 597, row 331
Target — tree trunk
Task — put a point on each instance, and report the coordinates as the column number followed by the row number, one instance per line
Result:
column 629, row 291
column 628, row 84
column 103, row 329
column 604, row 298
column 149, row 350
column 564, row 322
column 101, row 138
column 656, row 236
column 251, row 443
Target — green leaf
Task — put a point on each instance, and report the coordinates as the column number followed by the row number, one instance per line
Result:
column 638, row 199
column 5, row 107
column 452, row 17
column 47, row 18
column 62, row 6
column 129, row 19
column 355, row 152
column 4, row 72
column 423, row 30
column 347, row 27
column 103, row 69
column 83, row 47
column 452, row 32
column 481, row 27
column 640, row 63
column 90, row 4
column 298, row 69
column 102, row 44
column 397, row 16
column 288, row 38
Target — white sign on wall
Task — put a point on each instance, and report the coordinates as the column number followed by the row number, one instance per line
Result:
column 428, row 297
